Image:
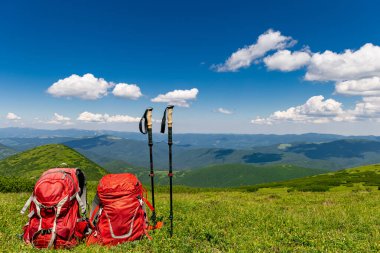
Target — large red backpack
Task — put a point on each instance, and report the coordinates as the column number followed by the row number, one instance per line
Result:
column 118, row 210
column 57, row 210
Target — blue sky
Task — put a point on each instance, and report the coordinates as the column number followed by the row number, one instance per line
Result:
column 165, row 46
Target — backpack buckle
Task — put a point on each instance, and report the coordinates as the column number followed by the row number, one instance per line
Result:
column 46, row 231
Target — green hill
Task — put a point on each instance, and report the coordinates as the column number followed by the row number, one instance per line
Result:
column 33, row 162
column 6, row 151
column 229, row 175
column 360, row 177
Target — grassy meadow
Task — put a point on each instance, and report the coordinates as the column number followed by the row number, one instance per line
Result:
column 343, row 219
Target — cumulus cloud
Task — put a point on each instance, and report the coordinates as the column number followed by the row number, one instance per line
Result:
column 224, row 111
column 244, row 57
column 105, row 118
column 284, row 60
column 124, row 90
column 12, row 116
column 177, row 97
column 361, row 87
column 368, row 108
column 349, row 65
column 317, row 109
column 85, row 87
column 60, row 119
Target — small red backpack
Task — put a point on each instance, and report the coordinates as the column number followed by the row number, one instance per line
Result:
column 57, row 210
column 118, row 211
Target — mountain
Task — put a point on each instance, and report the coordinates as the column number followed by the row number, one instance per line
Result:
column 6, row 151
column 338, row 149
column 228, row 175
column 33, row 162
column 118, row 153
column 199, row 150
column 22, row 144
column 232, row 141
column 359, row 178
column 107, row 150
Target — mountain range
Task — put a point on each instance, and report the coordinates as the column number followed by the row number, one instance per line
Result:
column 30, row 164
column 233, row 141
column 193, row 151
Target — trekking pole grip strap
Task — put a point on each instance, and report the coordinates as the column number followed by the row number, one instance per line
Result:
column 146, row 121
column 169, row 110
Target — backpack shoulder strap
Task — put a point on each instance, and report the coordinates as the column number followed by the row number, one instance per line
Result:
column 82, row 195
column 27, row 204
column 95, row 209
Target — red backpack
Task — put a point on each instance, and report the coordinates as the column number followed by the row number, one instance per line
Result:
column 57, row 210
column 118, row 210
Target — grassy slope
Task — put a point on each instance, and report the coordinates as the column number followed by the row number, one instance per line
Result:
column 229, row 175
column 240, row 222
column 6, row 151
column 33, row 162
column 365, row 175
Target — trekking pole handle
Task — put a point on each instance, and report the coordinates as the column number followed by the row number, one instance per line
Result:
column 149, row 118
column 170, row 116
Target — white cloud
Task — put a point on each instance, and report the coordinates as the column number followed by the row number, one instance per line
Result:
column 361, row 87
column 177, row 97
column 224, row 111
column 315, row 110
column 285, row 60
column 350, row 65
column 131, row 91
column 105, row 118
column 60, row 119
column 368, row 108
column 122, row 118
column 91, row 117
column 244, row 57
column 84, row 87
column 12, row 116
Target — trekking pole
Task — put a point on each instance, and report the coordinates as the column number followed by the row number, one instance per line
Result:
column 169, row 110
column 147, row 120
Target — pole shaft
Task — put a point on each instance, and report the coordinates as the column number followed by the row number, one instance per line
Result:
column 170, row 143
column 151, row 173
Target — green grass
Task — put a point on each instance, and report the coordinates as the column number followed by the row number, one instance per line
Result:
column 269, row 221
column 33, row 162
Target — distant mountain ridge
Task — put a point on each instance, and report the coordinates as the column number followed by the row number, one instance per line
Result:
column 192, row 151
column 32, row 163
column 234, row 141
column 330, row 155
